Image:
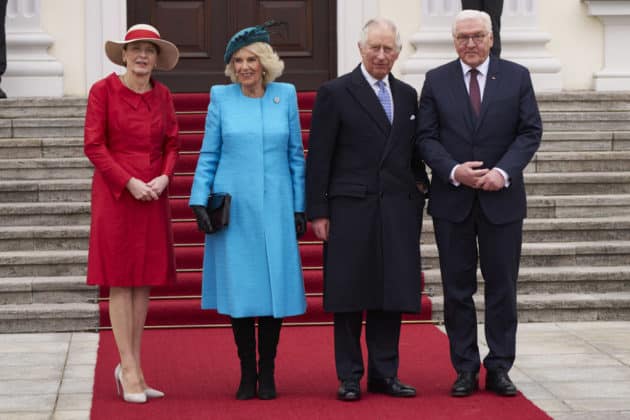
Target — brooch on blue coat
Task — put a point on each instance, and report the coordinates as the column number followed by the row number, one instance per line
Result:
column 276, row 100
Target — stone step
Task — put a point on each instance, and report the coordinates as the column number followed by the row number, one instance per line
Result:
column 44, row 238
column 566, row 307
column 591, row 161
column 543, row 162
column 49, row 317
column 69, row 190
column 30, row 290
column 615, row 228
column 39, row 214
column 571, row 141
column 580, row 206
column 582, row 183
column 584, row 101
column 43, row 263
column 536, row 280
column 602, row 120
column 48, row 127
column 18, row 108
column 54, row 147
column 555, row 254
column 45, row 168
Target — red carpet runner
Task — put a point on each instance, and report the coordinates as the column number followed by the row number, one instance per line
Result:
column 198, row 370
column 180, row 304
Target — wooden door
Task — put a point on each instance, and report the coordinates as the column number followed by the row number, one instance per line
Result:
column 202, row 28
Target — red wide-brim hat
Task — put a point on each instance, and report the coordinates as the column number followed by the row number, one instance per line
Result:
column 168, row 53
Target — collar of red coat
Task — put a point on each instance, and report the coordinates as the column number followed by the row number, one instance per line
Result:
column 132, row 98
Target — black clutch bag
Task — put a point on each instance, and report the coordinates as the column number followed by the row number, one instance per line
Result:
column 218, row 209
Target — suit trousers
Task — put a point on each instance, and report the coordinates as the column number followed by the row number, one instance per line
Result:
column 494, row 8
column 382, row 334
column 498, row 249
column 3, row 37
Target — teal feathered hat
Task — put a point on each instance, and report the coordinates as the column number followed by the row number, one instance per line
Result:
column 248, row 36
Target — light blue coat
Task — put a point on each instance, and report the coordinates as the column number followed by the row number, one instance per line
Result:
column 252, row 149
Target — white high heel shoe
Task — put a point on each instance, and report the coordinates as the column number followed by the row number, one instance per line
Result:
column 153, row 393
column 132, row 397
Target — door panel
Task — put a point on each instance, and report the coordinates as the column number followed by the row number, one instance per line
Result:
column 306, row 41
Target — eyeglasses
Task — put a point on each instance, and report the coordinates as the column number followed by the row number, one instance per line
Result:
column 476, row 38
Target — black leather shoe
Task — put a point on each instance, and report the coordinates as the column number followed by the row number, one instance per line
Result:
column 2, row 94
column 465, row 384
column 391, row 386
column 500, row 383
column 349, row 390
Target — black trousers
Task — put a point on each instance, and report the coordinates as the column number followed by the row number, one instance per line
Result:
column 498, row 248
column 382, row 334
column 3, row 37
column 494, row 8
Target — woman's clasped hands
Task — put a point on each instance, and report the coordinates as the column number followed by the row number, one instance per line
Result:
column 148, row 191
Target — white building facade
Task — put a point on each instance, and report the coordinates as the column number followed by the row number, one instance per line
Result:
column 55, row 47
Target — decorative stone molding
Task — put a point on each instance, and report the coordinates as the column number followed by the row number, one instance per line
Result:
column 521, row 41
column 31, row 71
column 615, row 15
column 104, row 19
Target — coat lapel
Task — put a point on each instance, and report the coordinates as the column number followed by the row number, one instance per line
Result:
column 490, row 90
column 461, row 99
column 401, row 113
column 363, row 93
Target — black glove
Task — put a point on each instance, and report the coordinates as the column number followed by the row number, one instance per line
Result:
column 203, row 221
column 300, row 224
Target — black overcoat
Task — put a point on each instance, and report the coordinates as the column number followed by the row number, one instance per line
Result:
column 360, row 176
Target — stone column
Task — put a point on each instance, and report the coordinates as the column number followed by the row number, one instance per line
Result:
column 615, row 15
column 31, row 71
column 104, row 19
column 521, row 41
column 351, row 16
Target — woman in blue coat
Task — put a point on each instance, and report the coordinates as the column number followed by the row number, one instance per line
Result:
column 252, row 149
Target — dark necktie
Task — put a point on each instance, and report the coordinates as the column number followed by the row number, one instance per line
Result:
column 475, row 95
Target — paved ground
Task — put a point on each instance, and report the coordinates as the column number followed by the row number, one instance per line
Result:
column 571, row 370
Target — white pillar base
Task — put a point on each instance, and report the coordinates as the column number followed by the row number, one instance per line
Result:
column 31, row 71
column 29, row 86
column 615, row 15
column 606, row 80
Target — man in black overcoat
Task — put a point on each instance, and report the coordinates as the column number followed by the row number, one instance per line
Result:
column 364, row 204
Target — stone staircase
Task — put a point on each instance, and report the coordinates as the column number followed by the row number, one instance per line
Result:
column 575, row 262
column 44, row 217
column 576, row 254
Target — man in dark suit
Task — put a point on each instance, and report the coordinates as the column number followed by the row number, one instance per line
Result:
column 479, row 127
column 364, row 204
column 494, row 8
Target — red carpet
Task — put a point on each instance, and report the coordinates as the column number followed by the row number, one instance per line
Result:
column 198, row 370
column 179, row 304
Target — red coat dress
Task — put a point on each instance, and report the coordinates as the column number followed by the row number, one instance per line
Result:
column 129, row 135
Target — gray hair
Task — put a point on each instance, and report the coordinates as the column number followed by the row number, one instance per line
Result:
column 269, row 60
column 469, row 14
column 380, row 22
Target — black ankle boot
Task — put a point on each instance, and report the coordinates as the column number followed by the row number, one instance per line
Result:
column 245, row 338
column 268, row 337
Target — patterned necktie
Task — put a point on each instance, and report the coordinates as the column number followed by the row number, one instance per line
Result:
column 386, row 101
column 475, row 95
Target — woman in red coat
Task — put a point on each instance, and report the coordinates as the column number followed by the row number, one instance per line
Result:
column 131, row 138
